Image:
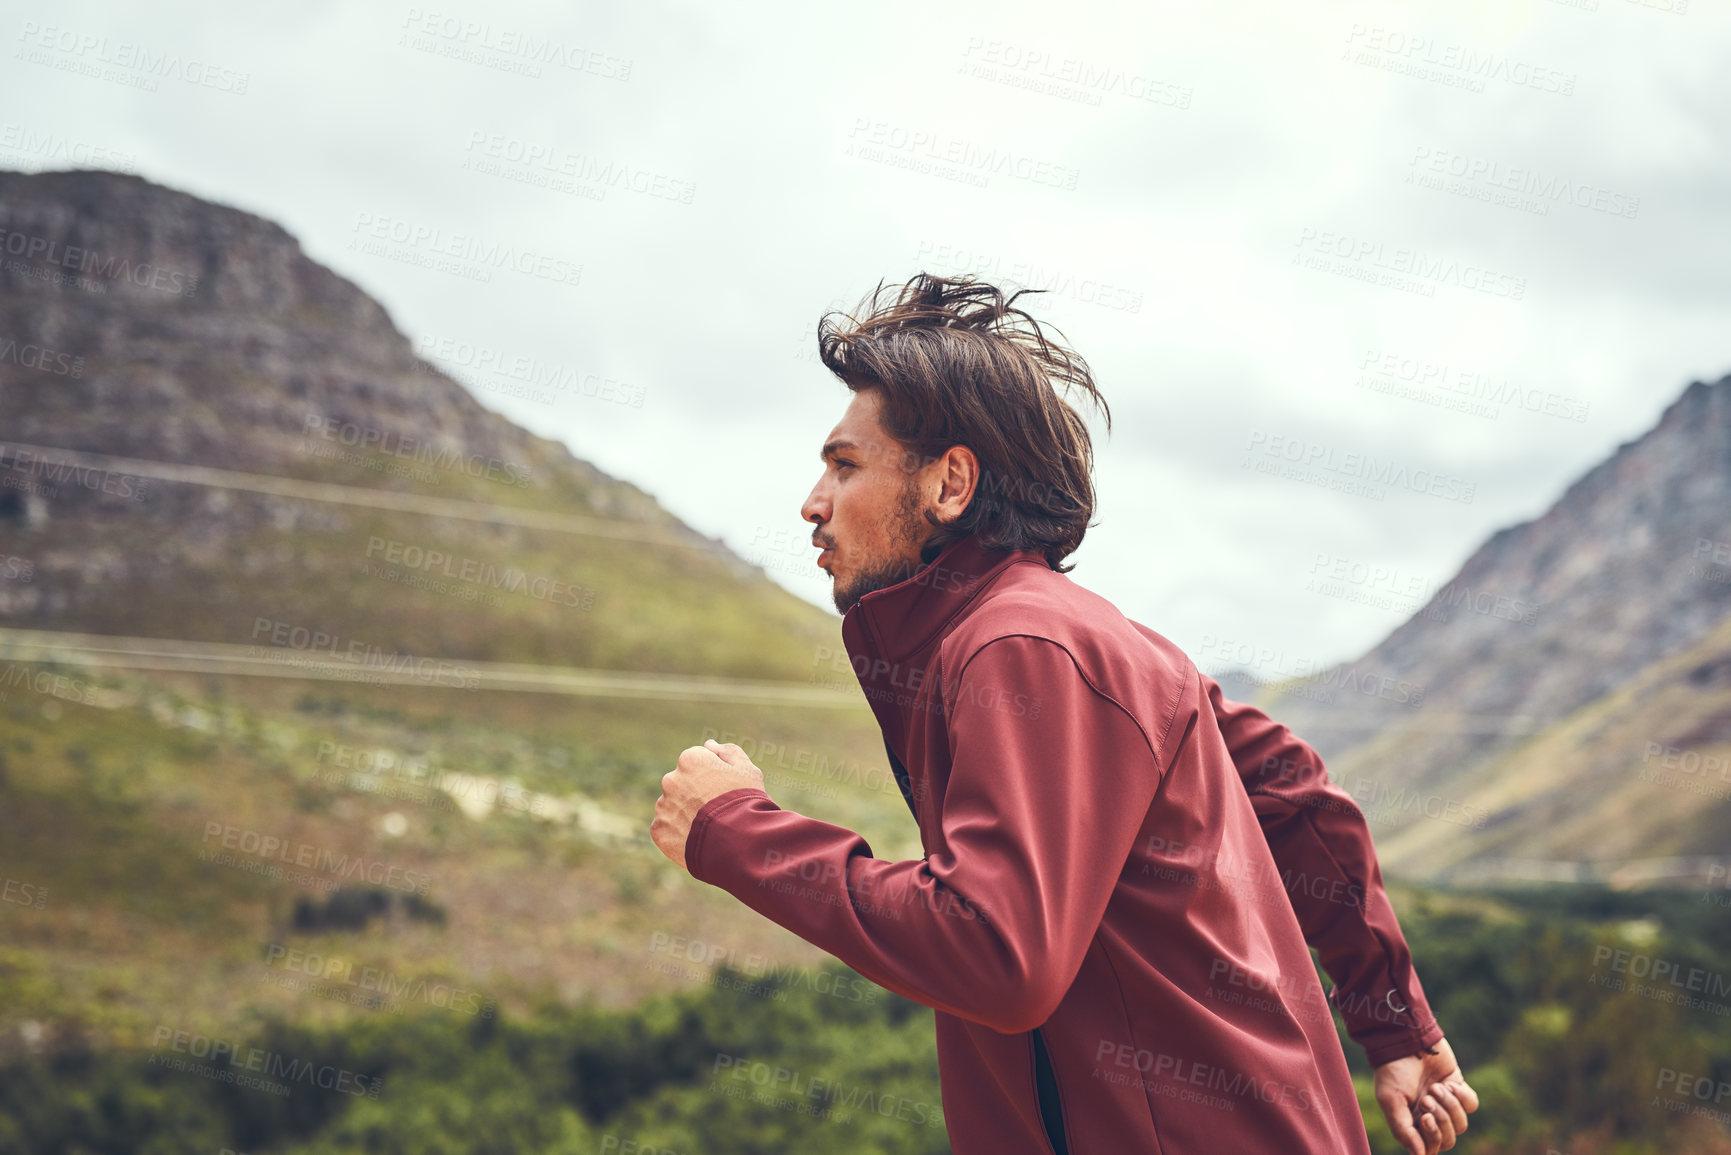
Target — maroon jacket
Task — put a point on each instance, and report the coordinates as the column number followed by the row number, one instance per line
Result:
column 1121, row 872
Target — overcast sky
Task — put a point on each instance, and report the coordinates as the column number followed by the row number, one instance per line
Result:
column 1261, row 223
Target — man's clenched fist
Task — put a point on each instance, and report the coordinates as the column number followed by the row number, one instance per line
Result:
column 702, row 773
column 1426, row 1099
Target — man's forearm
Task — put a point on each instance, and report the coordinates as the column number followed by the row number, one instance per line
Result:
column 895, row 923
column 1323, row 849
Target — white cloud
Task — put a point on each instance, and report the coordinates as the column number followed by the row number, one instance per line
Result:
column 1222, row 138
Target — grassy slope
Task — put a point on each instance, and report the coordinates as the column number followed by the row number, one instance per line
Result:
column 107, row 806
column 1575, row 790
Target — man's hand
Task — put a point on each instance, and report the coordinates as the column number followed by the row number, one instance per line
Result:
column 1434, row 1087
column 702, row 773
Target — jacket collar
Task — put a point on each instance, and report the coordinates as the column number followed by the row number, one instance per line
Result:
column 901, row 620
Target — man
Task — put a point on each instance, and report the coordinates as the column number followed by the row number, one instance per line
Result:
column 1122, row 869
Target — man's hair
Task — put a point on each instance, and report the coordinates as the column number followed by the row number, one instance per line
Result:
column 959, row 364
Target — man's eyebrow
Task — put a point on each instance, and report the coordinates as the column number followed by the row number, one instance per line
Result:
column 832, row 448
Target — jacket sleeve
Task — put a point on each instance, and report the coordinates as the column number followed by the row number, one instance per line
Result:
column 1322, row 848
column 1046, row 793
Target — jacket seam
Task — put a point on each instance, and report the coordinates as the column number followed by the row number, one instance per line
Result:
column 1130, row 1029
column 1413, row 1028
column 1172, row 710
column 698, row 835
column 1153, row 747
column 939, row 630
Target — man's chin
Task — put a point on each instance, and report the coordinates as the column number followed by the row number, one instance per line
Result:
column 843, row 597
column 849, row 591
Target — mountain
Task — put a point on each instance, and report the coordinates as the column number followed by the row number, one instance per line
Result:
column 286, row 614
column 142, row 323
column 1534, row 717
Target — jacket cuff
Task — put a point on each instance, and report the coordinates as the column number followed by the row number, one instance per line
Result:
column 1386, row 1050
column 704, row 820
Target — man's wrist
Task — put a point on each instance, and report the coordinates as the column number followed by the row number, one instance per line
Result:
column 705, row 818
column 1420, row 1042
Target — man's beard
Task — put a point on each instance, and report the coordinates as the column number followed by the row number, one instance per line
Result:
column 907, row 534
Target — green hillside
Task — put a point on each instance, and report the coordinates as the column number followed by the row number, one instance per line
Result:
column 1642, row 777
column 250, row 556
column 119, row 790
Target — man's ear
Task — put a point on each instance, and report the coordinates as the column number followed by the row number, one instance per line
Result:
column 958, row 476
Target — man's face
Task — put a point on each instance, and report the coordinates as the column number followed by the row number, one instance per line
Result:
column 869, row 505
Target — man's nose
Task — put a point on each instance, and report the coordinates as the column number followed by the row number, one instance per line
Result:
column 816, row 507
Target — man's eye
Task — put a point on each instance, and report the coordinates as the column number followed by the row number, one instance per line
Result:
column 841, row 463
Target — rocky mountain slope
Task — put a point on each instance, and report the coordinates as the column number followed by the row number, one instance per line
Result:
column 1547, row 622
column 138, row 322
column 210, row 442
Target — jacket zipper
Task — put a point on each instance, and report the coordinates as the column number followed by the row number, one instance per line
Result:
column 1046, row 1094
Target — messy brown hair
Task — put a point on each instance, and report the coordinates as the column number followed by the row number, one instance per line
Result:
column 959, row 364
